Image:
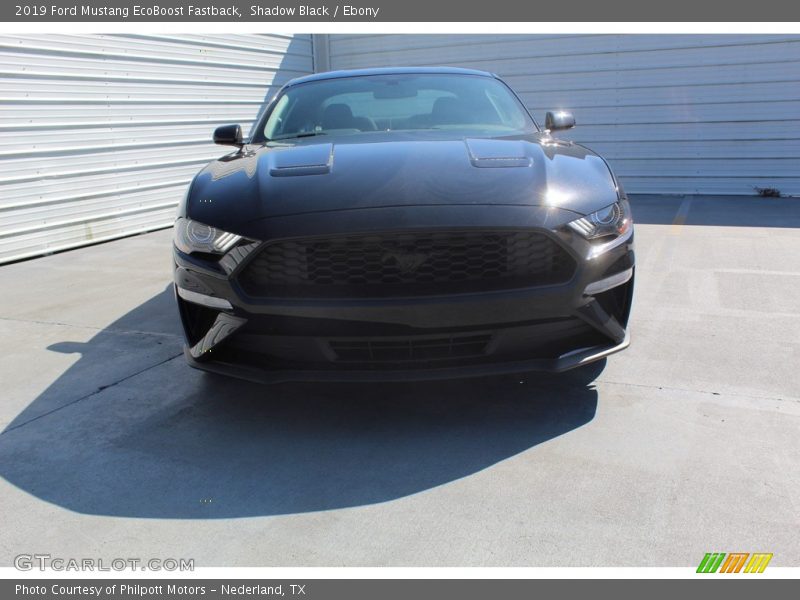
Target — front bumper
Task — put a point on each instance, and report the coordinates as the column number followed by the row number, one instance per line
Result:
column 546, row 328
column 570, row 360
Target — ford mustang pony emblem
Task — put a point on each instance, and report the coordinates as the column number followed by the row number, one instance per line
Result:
column 406, row 262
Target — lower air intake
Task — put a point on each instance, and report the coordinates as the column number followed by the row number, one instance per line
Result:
column 409, row 349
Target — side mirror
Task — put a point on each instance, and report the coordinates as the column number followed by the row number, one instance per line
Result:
column 554, row 121
column 228, row 135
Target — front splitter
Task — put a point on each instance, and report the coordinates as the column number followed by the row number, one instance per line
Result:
column 571, row 360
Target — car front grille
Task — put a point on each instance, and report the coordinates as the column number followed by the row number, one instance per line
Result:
column 406, row 264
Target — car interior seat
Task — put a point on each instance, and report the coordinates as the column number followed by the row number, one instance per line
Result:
column 340, row 116
column 449, row 111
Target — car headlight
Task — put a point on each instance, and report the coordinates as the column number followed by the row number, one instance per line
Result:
column 606, row 228
column 614, row 219
column 193, row 236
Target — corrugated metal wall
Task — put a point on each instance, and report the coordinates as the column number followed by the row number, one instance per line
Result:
column 99, row 134
column 715, row 114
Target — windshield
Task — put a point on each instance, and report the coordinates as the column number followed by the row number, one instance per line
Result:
column 471, row 104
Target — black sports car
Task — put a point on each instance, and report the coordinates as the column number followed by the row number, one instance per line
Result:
column 394, row 224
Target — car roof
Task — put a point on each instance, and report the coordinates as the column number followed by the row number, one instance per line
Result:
column 387, row 71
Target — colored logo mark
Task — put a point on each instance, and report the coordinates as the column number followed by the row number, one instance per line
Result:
column 734, row 562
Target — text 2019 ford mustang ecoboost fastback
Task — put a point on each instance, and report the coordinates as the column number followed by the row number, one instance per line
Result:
column 396, row 224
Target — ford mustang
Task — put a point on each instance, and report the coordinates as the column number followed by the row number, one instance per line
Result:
column 402, row 224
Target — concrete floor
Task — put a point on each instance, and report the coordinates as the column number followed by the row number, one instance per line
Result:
column 686, row 443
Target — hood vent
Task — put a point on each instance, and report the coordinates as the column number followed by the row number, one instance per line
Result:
column 302, row 160
column 485, row 153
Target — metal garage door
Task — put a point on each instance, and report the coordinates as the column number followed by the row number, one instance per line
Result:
column 99, row 134
column 715, row 114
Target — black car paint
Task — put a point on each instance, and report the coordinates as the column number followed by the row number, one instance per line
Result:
column 385, row 181
column 376, row 169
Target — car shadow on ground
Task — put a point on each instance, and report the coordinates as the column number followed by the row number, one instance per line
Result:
column 171, row 442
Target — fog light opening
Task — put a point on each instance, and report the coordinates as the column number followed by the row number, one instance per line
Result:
column 205, row 300
column 603, row 285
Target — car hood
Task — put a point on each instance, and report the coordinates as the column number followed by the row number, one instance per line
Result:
column 320, row 174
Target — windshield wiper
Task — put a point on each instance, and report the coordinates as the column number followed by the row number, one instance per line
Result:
column 302, row 134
